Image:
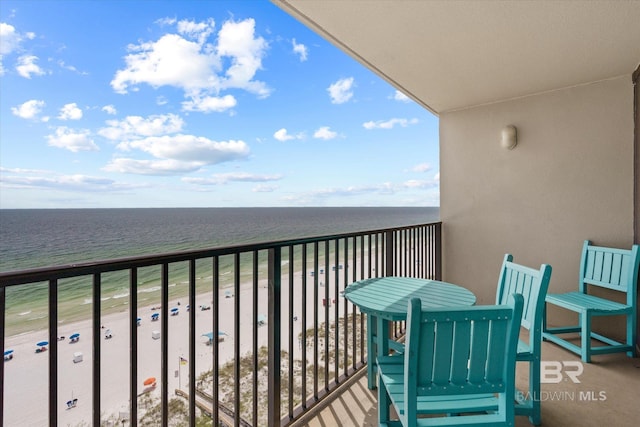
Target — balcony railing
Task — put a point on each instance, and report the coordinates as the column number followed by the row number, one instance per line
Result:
column 290, row 341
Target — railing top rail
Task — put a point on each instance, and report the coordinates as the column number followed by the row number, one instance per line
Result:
column 19, row 277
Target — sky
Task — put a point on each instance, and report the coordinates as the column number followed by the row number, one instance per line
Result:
column 127, row 104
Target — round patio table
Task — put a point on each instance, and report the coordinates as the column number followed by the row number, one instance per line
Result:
column 385, row 299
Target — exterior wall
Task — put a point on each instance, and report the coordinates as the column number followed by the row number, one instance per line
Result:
column 570, row 178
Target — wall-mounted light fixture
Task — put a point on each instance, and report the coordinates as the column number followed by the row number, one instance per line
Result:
column 509, row 137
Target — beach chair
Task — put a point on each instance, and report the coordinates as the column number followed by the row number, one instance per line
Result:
column 600, row 267
column 459, row 352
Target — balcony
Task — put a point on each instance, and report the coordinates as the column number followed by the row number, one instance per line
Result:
column 254, row 334
column 602, row 396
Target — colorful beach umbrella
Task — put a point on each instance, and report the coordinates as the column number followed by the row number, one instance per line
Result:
column 150, row 381
column 42, row 343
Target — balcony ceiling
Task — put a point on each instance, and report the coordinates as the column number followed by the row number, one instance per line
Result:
column 449, row 55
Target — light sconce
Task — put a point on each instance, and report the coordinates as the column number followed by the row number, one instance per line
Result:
column 509, row 137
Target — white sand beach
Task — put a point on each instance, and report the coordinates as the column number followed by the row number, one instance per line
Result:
column 26, row 375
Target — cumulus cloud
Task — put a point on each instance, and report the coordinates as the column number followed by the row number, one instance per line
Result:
column 110, row 109
column 27, row 66
column 284, row 135
column 10, row 41
column 202, row 69
column 9, row 38
column 133, row 127
column 173, row 152
column 151, row 167
column 325, row 133
column 300, row 50
column 70, row 112
column 341, row 91
column 389, row 124
column 399, row 96
column 225, row 178
column 28, row 110
column 74, row 140
column 189, row 148
column 208, row 104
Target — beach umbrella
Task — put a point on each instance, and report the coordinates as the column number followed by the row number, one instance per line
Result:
column 42, row 343
column 74, row 336
column 8, row 352
column 174, row 309
column 150, row 381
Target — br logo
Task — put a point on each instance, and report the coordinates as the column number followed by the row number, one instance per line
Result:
column 554, row 372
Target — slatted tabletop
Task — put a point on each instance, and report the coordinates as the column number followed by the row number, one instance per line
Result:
column 387, row 297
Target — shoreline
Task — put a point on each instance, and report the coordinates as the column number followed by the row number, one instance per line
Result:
column 26, row 376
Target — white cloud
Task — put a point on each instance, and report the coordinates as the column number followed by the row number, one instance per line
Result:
column 28, row 110
column 196, row 30
column 325, row 133
column 225, row 178
column 134, row 127
column 151, row 167
column 210, row 103
column 399, row 96
column 422, row 167
column 187, row 61
column 300, row 50
column 70, row 112
column 389, row 124
column 189, row 148
column 284, row 135
column 415, row 183
column 262, row 188
column 9, row 39
column 34, row 179
column 27, row 66
column 170, row 61
column 341, row 91
column 72, row 140
column 110, row 109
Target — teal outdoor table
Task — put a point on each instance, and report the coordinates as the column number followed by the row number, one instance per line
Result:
column 385, row 299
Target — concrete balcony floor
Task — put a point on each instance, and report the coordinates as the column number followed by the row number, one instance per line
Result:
column 606, row 396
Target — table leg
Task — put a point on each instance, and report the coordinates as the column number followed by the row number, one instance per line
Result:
column 371, row 351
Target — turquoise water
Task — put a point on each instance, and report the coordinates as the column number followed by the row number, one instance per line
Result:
column 40, row 238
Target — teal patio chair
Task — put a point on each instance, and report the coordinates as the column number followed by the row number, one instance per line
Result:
column 532, row 285
column 600, row 267
column 454, row 352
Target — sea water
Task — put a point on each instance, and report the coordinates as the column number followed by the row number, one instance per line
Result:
column 50, row 237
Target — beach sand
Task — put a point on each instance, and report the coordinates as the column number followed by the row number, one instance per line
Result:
column 26, row 376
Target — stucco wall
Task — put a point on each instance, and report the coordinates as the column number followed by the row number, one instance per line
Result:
column 570, row 178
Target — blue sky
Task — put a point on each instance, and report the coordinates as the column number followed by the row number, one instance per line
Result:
column 198, row 104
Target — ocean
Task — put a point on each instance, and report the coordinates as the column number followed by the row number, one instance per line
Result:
column 32, row 238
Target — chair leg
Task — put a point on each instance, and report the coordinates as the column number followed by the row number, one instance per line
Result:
column 383, row 404
column 534, row 391
column 585, row 321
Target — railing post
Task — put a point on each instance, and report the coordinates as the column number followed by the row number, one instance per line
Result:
column 274, row 323
column 389, row 253
column 438, row 251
